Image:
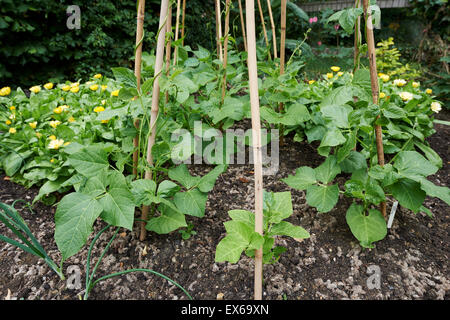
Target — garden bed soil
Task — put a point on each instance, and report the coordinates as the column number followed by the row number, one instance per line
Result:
column 412, row 259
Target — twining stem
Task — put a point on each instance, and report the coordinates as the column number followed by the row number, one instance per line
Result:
column 374, row 85
column 177, row 27
column 183, row 16
column 256, row 134
column 357, row 41
column 137, row 73
column 219, row 30
column 168, row 48
column 241, row 13
column 261, row 15
column 155, row 103
column 274, row 34
column 225, row 49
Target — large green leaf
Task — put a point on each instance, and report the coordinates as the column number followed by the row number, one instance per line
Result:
column 90, row 160
column 277, row 206
column 240, row 236
column 285, row 228
column 118, row 205
column 333, row 137
column 337, row 114
column 303, row 178
column 323, row 198
column 191, row 202
column 413, row 165
column 433, row 190
column 367, row 229
column 181, row 174
column 74, row 217
column 328, row 170
column 408, row 193
column 206, row 183
column 125, row 76
column 168, row 221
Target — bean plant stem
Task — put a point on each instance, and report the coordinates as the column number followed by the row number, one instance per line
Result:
column 137, row 73
column 374, row 85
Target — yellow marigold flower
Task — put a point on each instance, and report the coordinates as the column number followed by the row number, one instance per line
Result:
column 74, row 89
column 33, row 124
column 52, row 160
column 399, row 82
column 52, row 137
column 94, row 87
column 8, row 122
column 55, row 144
column 48, row 86
column 5, row 91
column 104, row 121
column 406, row 96
column 75, row 84
column 436, row 107
column 54, row 123
column 115, row 93
column 329, row 75
column 104, row 87
column 12, row 108
column 335, row 69
column 428, row 91
column 39, row 135
column 64, row 107
column 71, row 119
column 311, row 81
column 384, row 77
column 98, row 76
column 99, row 109
column 12, row 130
column 340, row 74
column 382, row 95
column 415, row 84
column 58, row 110
column 35, row 89
column 66, row 87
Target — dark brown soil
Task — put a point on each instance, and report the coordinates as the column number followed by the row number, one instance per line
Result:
column 413, row 258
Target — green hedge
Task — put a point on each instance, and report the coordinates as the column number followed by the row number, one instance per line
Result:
column 36, row 45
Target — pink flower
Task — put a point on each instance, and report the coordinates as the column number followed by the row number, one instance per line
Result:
column 312, row 20
column 336, row 27
column 319, row 43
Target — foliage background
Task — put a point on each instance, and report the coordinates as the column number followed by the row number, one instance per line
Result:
column 36, row 46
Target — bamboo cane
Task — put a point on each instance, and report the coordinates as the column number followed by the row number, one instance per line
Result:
column 261, row 15
column 155, row 103
column 274, row 34
column 375, row 88
column 219, row 30
column 168, row 48
column 225, row 48
column 283, row 36
column 241, row 13
column 183, row 16
column 256, row 134
column 177, row 26
column 137, row 73
column 357, row 40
